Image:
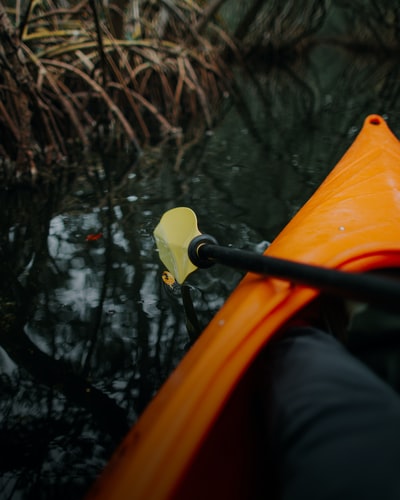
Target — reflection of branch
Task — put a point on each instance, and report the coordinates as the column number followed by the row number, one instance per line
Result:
column 146, row 385
column 244, row 111
column 56, row 373
column 27, row 442
column 99, row 311
column 317, row 16
column 247, row 21
column 100, row 307
column 107, row 273
column 192, row 322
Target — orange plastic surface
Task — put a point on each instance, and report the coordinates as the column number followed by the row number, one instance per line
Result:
column 199, row 437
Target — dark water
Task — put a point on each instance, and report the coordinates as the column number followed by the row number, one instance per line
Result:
column 89, row 331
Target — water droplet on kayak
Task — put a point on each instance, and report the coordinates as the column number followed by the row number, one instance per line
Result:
column 341, row 228
column 352, row 132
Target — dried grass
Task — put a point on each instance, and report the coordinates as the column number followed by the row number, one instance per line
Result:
column 78, row 81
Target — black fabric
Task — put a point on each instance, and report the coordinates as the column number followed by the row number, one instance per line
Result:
column 333, row 426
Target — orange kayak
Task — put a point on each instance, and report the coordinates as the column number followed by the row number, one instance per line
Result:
column 198, row 437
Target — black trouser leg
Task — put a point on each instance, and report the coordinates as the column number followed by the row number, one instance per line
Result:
column 333, row 426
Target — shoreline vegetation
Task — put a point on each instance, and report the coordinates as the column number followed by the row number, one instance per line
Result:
column 68, row 81
column 139, row 72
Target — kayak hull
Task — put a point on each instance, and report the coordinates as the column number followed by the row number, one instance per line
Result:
column 201, row 435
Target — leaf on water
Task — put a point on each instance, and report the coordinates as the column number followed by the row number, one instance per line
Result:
column 168, row 279
column 94, row 236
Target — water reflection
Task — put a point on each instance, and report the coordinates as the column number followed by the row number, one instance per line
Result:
column 89, row 331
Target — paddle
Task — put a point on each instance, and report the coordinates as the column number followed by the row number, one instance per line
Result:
column 183, row 249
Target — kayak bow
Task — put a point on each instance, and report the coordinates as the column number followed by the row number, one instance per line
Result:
column 199, row 437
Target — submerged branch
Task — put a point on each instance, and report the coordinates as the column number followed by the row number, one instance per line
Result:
column 57, row 374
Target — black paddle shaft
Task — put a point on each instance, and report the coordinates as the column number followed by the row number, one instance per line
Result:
column 372, row 289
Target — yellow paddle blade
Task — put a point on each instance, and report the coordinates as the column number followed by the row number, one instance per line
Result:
column 173, row 234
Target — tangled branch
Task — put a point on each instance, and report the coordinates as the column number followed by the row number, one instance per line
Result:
column 66, row 79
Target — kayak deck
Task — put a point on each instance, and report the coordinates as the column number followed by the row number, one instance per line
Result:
column 201, row 436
